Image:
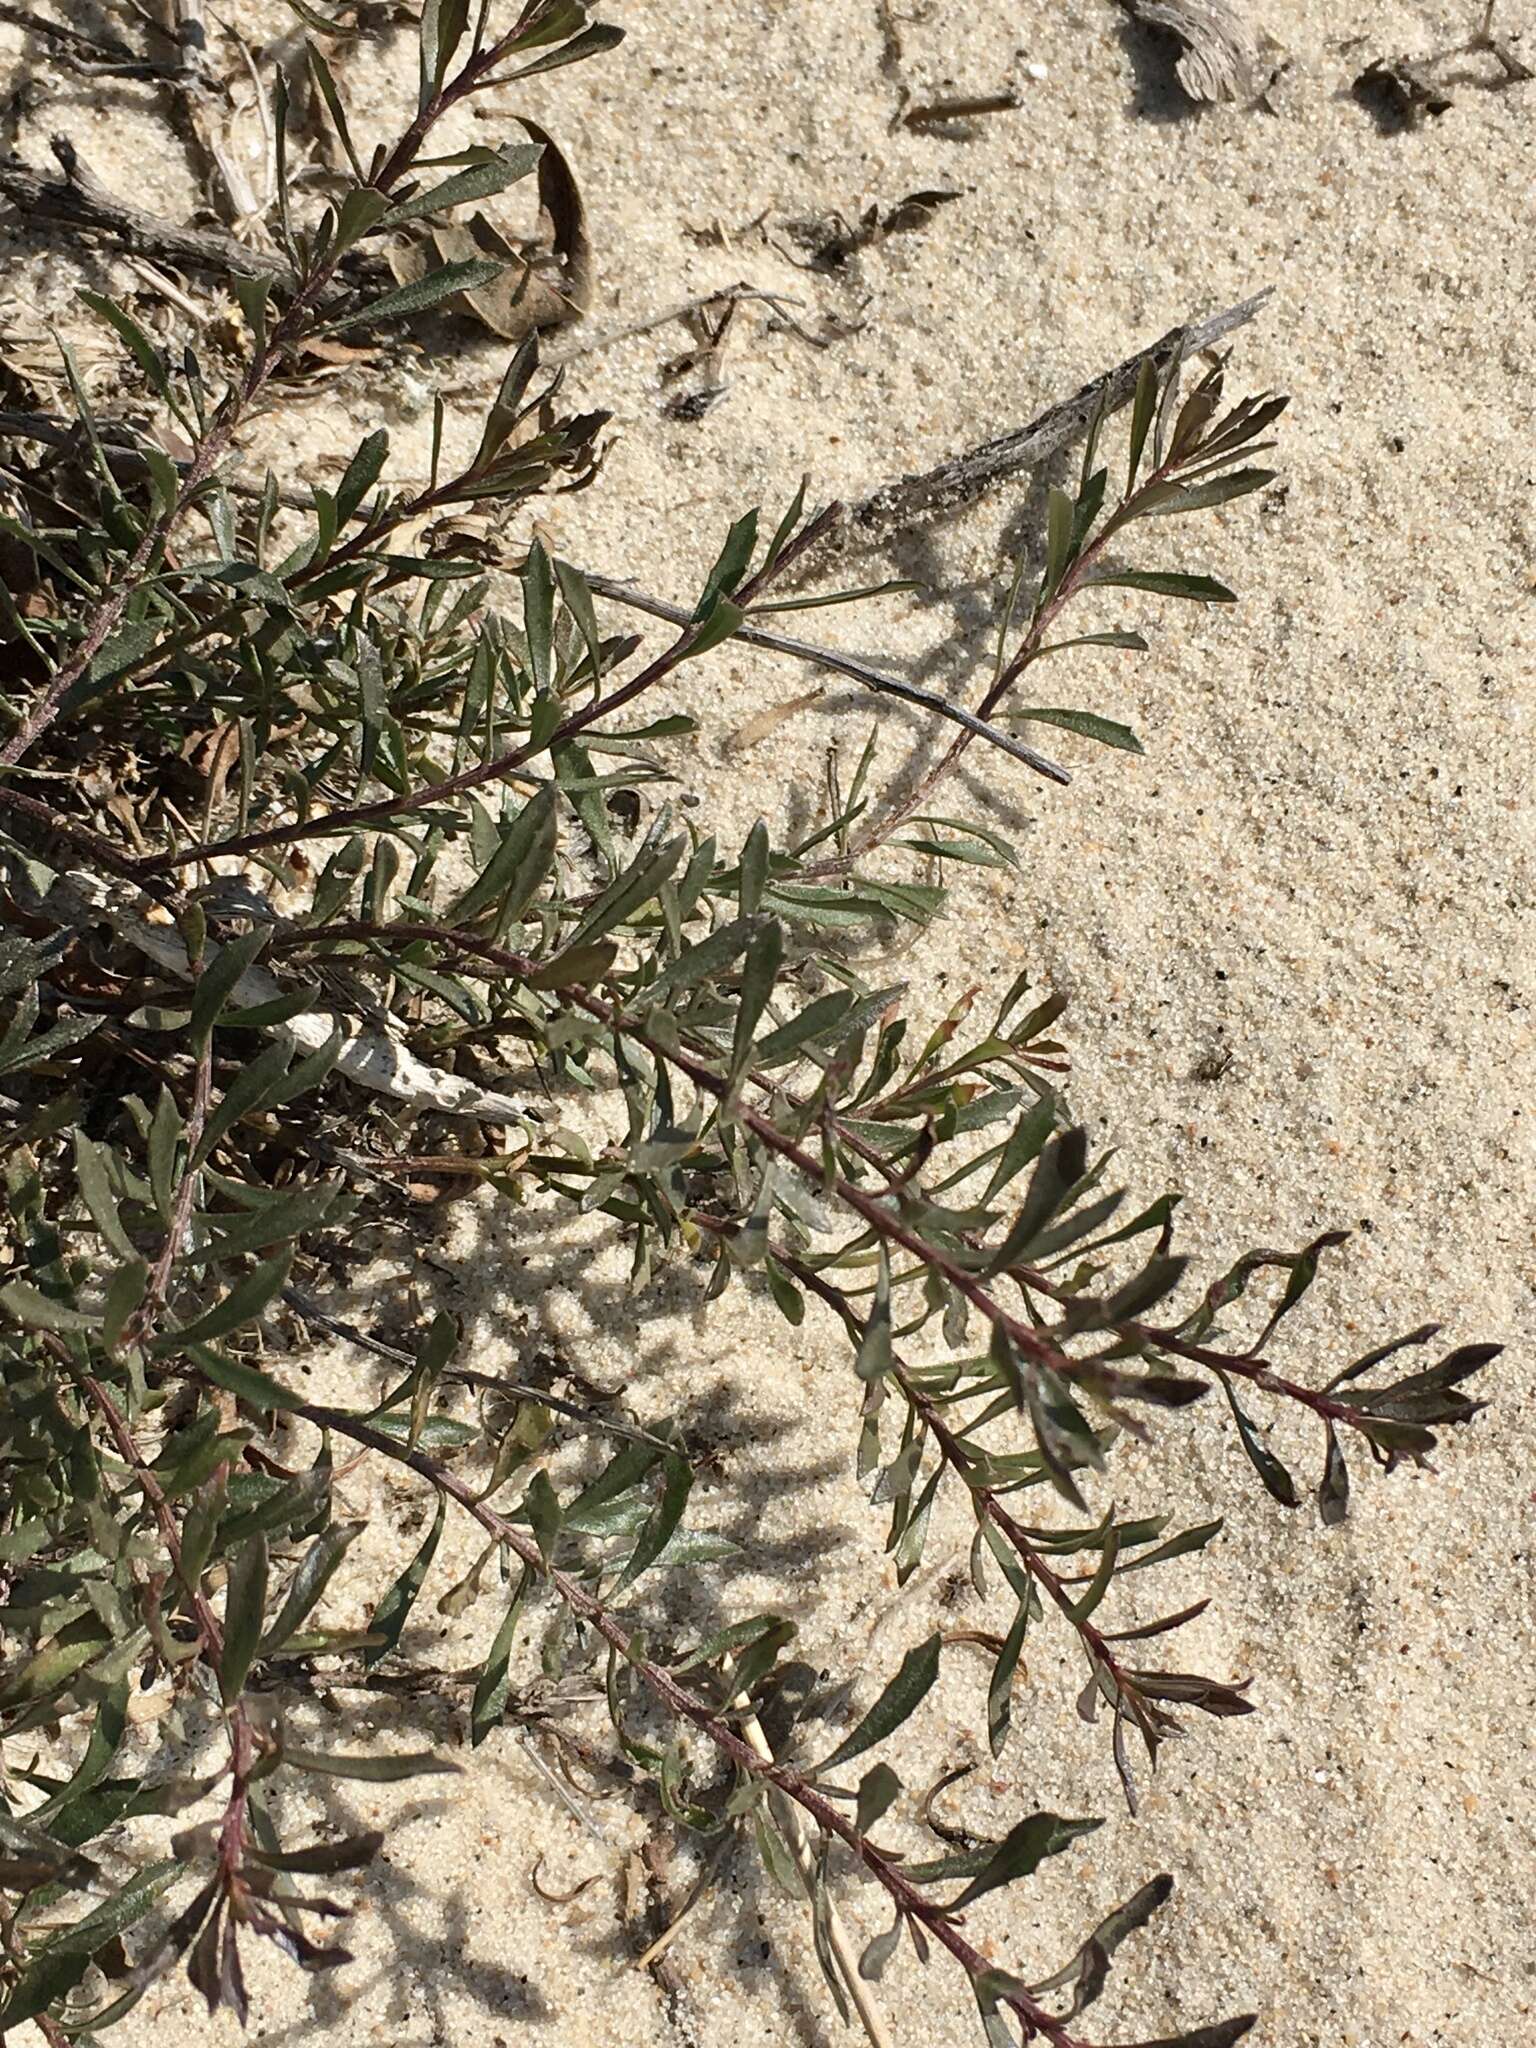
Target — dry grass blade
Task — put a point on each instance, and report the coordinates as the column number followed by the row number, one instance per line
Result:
column 965, row 477
column 859, row 1995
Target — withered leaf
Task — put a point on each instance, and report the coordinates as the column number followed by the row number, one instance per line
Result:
column 830, row 241
column 547, row 278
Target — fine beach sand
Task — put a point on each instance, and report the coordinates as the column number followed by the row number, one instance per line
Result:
column 1321, row 867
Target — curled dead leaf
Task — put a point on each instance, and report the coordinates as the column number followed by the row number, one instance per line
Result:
column 547, row 276
column 213, row 754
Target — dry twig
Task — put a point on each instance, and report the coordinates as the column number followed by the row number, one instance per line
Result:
column 965, row 477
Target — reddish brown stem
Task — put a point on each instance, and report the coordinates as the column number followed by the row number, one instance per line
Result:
column 390, row 807
column 66, row 829
column 128, row 1450
column 875, row 1213
column 688, row 1706
column 215, row 443
column 903, row 809
column 955, row 1455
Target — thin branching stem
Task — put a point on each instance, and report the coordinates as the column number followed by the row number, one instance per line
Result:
column 900, row 809
column 107, row 614
column 876, row 1213
column 1037, row 2023
column 960, row 1461
column 388, row 808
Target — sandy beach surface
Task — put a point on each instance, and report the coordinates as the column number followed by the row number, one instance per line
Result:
column 1297, row 934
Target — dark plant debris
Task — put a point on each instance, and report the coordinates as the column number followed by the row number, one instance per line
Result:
column 830, row 242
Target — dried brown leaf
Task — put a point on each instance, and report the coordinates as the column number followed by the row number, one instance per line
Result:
column 765, row 722
column 547, row 279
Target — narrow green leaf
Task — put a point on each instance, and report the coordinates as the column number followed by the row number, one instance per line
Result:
column 1066, row 1440
column 1117, row 636
column 63, row 1958
column 390, row 1616
column 919, row 1669
column 730, row 567
column 1000, row 1688
column 577, row 599
column 660, row 1523
column 879, row 1788
column 309, row 1582
column 361, row 473
column 251, row 295
column 1060, row 1167
column 787, row 1298
column 522, row 860
column 248, row 1381
column 759, row 973
column 601, row 35
column 778, row 1858
column 514, row 160
column 1277, row 1481
column 143, row 350
column 538, row 583
column 494, row 1682
column 1141, row 421
column 753, row 877
column 442, row 27
column 1058, row 540
column 244, row 1614
column 630, row 891
column 874, row 1360
column 325, row 1859
column 706, row 960
column 39, row 1311
column 1021, row 1851
column 542, row 1507
column 291, row 1216
column 1088, row 1970
column 359, row 213
column 218, row 979
column 243, row 1304
column 320, row 71
column 1187, row 1540
column 1172, row 499
column 125, row 1291
column 1086, row 723
column 427, row 292
column 725, row 620
column 820, row 600
column 108, row 1731
column 1164, row 583
column 1333, row 1490
column 576, row 967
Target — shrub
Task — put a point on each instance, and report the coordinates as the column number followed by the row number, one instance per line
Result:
column 434, row 893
